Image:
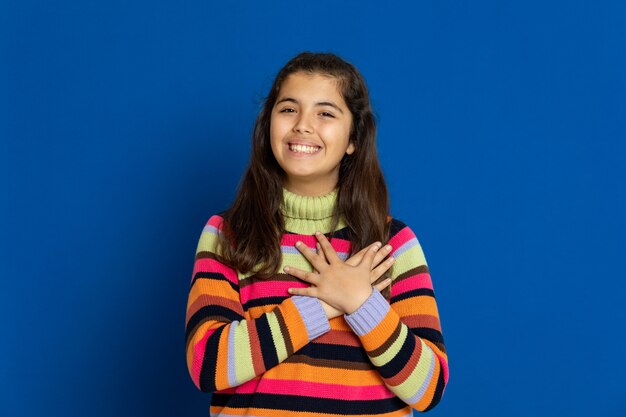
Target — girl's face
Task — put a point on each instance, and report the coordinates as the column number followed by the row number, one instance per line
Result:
column 310, row 132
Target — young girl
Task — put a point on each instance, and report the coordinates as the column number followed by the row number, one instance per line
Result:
column 296, row 307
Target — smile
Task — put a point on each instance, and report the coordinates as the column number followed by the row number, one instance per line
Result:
column 304, row 148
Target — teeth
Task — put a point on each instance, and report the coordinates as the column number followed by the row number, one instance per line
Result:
column 304, row 148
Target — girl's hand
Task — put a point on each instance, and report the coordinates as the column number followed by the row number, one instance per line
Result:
column 381, row 268
column 343, row 286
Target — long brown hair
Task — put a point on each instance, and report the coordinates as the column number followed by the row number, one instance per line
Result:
column 254, row 223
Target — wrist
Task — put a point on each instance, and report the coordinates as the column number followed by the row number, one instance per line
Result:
column 357, row 300
column 369, row 315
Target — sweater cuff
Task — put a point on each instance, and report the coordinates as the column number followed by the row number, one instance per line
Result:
column 372, row 311
column 312, row 314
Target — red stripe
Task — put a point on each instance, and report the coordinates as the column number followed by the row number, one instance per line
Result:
column 401, row 238
column 340, row 245
column 315, row 389
column 211, row 265
column 408, row 284
column 198, row 357
column 262, row 289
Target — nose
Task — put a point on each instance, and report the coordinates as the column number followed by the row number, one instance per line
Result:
column 303, row 124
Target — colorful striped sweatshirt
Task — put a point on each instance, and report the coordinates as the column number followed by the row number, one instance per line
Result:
column 262, row 352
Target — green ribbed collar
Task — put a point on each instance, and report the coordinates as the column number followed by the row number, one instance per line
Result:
column 306, row 214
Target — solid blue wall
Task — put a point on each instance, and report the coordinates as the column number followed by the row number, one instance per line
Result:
column 125, row 125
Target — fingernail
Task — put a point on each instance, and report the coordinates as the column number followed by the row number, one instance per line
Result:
column 290, row 291
column 391, row 260
column 388, row 247
column 318, row 233
column 298, row 243
column 286, row 269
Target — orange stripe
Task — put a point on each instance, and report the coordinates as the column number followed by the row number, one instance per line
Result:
column 221, row 367
column 258, row 311
column 424, row 304
column 214, row 287
column 430, row 391
column 382, row 332
column 295, row 325
column 265, row 412
column 339, row 323
column 200, row 332
column 205, row 300
column 436, row 349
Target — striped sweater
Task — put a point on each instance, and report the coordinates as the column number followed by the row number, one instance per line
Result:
column 262, row 352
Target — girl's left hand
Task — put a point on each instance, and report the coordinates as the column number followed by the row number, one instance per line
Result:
column 342, row 285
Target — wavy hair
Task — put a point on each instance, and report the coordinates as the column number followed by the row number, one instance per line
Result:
column 251, row 244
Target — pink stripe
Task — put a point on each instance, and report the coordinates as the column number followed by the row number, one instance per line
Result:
column 340, row 245
column 198, row 357
column 421, row 280
column 262, row 289
column 401, row 238
column 444, row 367
column 211, row 265
column 316, row 389
column 216, row 221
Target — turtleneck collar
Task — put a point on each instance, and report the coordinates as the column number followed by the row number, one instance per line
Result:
column 308, row 214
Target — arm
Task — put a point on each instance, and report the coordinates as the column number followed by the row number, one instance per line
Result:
column 403, row 340
column 224, row 347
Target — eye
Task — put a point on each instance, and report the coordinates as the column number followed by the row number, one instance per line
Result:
column 287, row 110
column 327, row 114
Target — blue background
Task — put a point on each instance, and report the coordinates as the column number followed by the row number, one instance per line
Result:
column 125, row 125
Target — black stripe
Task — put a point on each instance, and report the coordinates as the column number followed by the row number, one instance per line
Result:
column 207, row 372
column 438, row 392
column 211, row 311
column 262, row 302
column 429, row 334
column 343, row 233
column 413, row 293
column 309, row 404
column 334, row 352
column 213, row 275
column 270, row 357
column 395, row 226
column 399, row 361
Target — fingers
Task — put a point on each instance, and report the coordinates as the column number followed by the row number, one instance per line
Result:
column 370, row 254
column 381, row 286
column 381, row 254
column 329, row 251
column 356, row 259
column 308, row 292
column 318, row 263
column 305, row 276
column 381, row 269
column 320, row 252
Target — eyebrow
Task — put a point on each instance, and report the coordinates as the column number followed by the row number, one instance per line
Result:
column 319, row 103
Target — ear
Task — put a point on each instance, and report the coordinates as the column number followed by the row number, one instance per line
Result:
column 350, row 149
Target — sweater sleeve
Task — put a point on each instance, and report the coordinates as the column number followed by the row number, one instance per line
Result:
column 403, row 337
column 224, row 347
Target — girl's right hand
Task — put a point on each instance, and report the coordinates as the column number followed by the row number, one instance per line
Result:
column 378, row 269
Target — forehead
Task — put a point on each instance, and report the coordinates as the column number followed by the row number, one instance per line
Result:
column 305, row 86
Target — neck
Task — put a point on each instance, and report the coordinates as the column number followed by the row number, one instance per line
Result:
column 313, row 188
column 306, row 214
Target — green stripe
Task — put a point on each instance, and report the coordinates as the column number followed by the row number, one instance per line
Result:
column 243, row 355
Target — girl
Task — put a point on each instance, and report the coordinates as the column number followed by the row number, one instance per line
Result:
column 296, row 307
